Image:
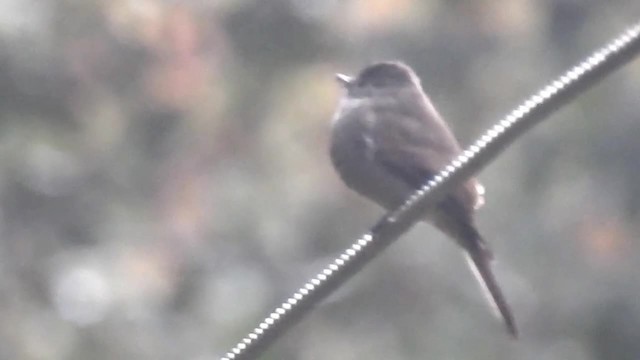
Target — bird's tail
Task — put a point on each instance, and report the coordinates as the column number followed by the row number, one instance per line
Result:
column 479, row 258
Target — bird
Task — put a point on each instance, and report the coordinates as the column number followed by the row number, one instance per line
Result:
column 387, row 140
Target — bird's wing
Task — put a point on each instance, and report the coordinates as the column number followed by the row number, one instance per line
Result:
column 417, row 151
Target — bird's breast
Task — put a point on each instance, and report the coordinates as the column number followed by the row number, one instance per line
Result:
column 353, row 155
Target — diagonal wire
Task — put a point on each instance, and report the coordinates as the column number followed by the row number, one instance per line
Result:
column 561, row 91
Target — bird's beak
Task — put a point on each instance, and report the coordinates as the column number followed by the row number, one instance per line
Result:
column 344, row 80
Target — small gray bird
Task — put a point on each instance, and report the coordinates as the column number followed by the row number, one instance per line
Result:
column 388, row 140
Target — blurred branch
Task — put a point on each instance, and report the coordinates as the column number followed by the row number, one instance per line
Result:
column 561, row 91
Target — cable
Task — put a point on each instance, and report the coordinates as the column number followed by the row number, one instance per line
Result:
column 559, row 92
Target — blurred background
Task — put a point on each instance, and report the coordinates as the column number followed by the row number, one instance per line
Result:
column 165, row 182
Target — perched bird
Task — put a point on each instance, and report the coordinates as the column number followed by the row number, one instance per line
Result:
column 388, row 140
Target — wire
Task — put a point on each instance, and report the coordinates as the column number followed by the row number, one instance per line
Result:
column 559, row 92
